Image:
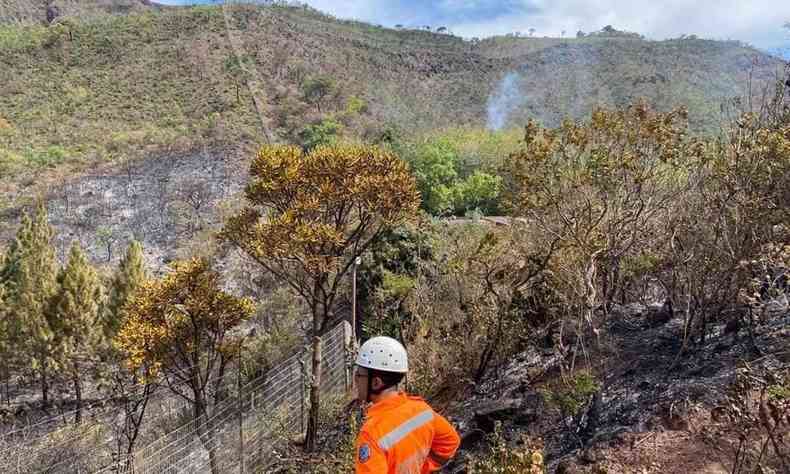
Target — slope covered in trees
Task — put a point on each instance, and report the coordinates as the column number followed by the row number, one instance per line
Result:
column 95, row 88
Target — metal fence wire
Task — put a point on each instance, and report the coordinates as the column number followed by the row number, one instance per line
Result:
column 238, row 435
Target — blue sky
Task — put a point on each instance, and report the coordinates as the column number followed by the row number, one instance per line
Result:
column 758, row 22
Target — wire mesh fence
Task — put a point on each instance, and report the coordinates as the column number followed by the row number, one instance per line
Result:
column 236, row 435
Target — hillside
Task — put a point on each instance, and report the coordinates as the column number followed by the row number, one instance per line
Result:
column 204, row 211
column 42, row 11
column 103, row 88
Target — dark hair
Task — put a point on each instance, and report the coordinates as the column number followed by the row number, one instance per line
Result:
column 389, row 379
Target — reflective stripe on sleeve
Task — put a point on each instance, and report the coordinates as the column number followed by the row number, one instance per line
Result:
column 391, row 439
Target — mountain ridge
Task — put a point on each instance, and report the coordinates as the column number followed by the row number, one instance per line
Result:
column 109, row 88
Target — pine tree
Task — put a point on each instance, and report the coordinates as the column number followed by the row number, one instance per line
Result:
column 75, row 317
column 123, row 383
column 9, row 328
column 31, row 284
column 129, row 276
column 9, row 262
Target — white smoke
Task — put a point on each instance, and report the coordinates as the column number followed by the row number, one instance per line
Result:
column 503, row 101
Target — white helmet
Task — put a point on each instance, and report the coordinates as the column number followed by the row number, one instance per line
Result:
column 385, row 354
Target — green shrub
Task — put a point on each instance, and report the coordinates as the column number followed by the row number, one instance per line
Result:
column 324, row 132
column 500, row 458
column 570, row 395
column 356, row 106
column 315, row 90
column 479, row 191
column 10, row 162
column 49, row 157
column 457, row 169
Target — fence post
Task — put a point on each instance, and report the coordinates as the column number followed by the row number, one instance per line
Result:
column 349, row 346
column 302, row 378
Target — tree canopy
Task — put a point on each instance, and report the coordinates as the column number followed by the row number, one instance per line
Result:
column 308, row 217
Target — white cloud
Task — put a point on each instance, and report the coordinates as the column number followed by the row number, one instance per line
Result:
column 756, row 21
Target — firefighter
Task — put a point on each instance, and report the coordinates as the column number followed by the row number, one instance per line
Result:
column 401, row 434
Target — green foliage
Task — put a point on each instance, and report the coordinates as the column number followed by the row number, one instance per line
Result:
column 35, row 284
column 570, row 395
column 387, row 275
column 106, row 237
column 128, row 277
column 308, row 216
column 435, row 168
column 22, row 38
column 281, row 318
column 755, row 411
column 609, row 31
column 316, row 89
column 479, row 191
column 159, row 80
column 11, row 162
column 49, row 157
column 75, row 319
column 779, row 392
column 29, row 276
column 603, row 192
column 457, row 170
column 386, row 314
column 76, row 308
column 356, row 106
column 235, row 66
column 324, row 132
column 502, row 458
column 6, row 332
column 9, row 263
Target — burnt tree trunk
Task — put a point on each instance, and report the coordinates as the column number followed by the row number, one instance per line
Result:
column 44, row 388
column 77, row 395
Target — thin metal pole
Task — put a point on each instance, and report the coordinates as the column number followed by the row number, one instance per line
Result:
column 354, row 303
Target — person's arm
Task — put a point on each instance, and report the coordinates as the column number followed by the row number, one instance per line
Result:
column 445, row 443
column 370, row 459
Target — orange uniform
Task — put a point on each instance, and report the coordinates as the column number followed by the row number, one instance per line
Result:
column 403, row 435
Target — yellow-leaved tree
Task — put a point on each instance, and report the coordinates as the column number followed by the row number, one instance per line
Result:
column 180, row 328
column 308, row 217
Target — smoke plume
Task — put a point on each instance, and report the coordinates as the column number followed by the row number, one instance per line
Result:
column 503, row 101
